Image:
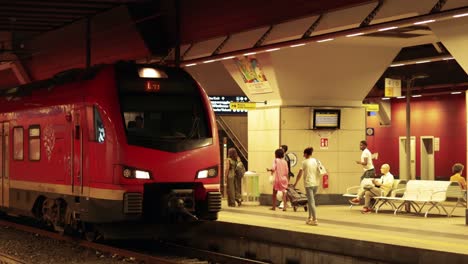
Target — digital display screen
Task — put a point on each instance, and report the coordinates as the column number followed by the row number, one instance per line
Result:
column 221, row 103
column 326, row 119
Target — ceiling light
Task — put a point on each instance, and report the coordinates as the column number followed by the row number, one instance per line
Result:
column 416, row 95
column 448, row 58
column 424, row 22
column 297, row 45
column 355, row 34
column 424, row 61
column 208, row 61
column 270, row 50
column 388, row 28
column 385, row 98
column 460, row 15
column 397, row 65
column 401, row 97
column 325, row 40
column 227, row 58
column 455, row 92
column 250, row 53
column 191, row 64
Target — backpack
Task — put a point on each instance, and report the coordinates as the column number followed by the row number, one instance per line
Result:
column 239, row 171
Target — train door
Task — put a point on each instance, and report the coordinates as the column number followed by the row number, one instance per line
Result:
column 77, row 173
column 4, row 165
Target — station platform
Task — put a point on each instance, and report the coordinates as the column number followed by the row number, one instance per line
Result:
column 405, row 237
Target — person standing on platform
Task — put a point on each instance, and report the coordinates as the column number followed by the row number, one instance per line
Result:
column 290, row 174
column 310, row 170
column 288, row 161
column 280, row 182
column 366, row 161
column 232, row 180
column 457, row 169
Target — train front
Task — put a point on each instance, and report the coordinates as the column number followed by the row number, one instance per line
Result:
column 171, row 160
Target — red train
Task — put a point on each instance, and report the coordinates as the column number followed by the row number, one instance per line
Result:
column 113, row 143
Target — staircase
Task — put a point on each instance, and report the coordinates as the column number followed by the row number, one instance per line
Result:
column 241, row 150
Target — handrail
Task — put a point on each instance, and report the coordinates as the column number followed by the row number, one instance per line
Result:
column 235, row 140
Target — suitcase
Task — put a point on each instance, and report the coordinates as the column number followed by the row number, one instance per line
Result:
column 297, row 198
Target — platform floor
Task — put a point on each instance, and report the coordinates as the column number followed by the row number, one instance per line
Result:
column 436, row 232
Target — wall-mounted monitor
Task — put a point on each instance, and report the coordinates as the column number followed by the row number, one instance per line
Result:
column 326, row 118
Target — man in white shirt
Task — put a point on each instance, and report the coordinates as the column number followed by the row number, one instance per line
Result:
column 381, row 187
column 366, row 161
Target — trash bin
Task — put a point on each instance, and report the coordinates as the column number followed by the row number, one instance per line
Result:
column 250, row 188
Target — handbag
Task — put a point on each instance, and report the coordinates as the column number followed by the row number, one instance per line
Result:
column 321, row 169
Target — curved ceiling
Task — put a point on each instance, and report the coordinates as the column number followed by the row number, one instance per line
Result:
column 214, row 22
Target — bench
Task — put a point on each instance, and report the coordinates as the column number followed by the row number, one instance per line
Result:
column 351, row 193
column 455, row 191
column 431, row 193
column 398, row 189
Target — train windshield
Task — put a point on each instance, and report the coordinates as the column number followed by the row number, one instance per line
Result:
column 163, row 111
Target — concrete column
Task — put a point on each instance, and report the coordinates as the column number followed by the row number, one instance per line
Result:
column 452, row 33
column 335, row 75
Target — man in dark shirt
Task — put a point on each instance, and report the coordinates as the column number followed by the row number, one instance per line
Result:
column 288, row 161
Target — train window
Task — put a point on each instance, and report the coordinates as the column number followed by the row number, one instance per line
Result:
column 99, row 132
column 34, row 142
column 96, row 131
column 18, row 143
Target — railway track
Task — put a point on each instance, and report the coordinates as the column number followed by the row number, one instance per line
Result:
column 7, row 259
column 148, row 252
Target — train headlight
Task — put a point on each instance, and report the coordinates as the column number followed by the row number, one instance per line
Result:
column 139, row 174
column 207, row 173
column 132, row 173
column 151, row 73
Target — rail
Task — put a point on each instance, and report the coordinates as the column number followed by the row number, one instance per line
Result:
column 235, row 140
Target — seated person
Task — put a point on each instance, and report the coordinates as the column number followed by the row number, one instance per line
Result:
column 131, row 124
column 139, row 122
column 458, row 169
column 384, row 184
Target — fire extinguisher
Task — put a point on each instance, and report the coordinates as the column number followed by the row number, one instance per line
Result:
column 325, row 181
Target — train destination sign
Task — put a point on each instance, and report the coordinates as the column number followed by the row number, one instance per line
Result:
column 222, row 104
column 242, row 106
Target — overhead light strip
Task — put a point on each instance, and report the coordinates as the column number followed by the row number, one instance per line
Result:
column 421, row 61
column 424, row 19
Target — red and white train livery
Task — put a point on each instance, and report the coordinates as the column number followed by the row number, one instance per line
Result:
column 113, row 143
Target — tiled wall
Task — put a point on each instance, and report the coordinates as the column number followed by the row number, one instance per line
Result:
column 271, row 127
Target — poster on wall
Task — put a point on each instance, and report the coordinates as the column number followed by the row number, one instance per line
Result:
column 252, row 74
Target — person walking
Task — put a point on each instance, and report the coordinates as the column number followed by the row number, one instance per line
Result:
column 280, row 182
column 309, row 169
column 366, row 161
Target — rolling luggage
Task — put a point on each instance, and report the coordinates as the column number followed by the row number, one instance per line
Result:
column 297, row 198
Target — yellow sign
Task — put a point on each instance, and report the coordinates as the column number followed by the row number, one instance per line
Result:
column 371, row 107
column 392, row 87
column 242, row 106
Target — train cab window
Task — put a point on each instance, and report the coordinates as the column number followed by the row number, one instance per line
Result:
column 18, row 143
column 134, row 121
column 34, row 142
column 162, row 109
column 96, row 128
